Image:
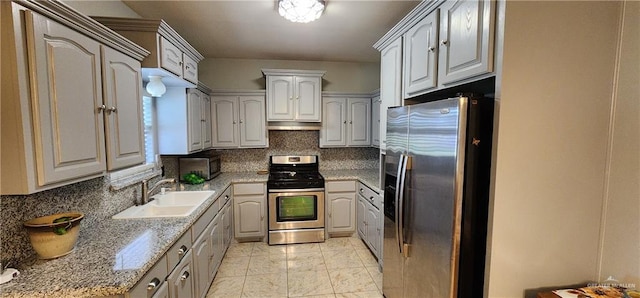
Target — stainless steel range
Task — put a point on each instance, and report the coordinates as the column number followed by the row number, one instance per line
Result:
column 296, row 200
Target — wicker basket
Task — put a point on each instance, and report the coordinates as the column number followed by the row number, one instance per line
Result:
column 51, row 240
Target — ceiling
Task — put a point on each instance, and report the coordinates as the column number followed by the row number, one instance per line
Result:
column 253, row 29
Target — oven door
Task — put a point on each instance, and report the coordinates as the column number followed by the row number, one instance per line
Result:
column 296, row 209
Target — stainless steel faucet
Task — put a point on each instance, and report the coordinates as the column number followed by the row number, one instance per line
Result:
column 146, row 192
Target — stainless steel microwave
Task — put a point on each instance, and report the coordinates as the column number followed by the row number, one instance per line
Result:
column 207, row 167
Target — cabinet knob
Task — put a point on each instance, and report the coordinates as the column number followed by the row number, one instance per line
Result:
column 184, row 276
column 350, row 122
column 345, row 122
column 431, row 49
column 180, row 63
column 444, row 42
column 182, row 250
column 102, row 108
column 240, row 121
column 234, row 122
column 297, row 97
column 203, row 120
column 155, row 282
column 186, row 66
column 112, row 110
column 290, row 98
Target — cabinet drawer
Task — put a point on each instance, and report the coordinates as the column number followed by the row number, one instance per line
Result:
column 340, row 186
column 205, row 219
column 369, row 195
column 249, row 189
column 178, row 250
column 155, row 275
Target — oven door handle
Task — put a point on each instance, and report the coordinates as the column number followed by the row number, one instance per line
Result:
column 300, row 190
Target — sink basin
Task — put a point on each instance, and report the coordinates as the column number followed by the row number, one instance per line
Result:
column 171, row 204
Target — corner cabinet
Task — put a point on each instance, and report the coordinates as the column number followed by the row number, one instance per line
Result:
column 184, row 120
column 346, row 122
column 239, row 120
column 293, row 95
column 340, row 197
column 70, row 101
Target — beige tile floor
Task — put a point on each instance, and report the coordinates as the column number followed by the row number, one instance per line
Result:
column 339, row 267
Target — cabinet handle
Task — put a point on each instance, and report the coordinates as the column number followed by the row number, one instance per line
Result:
column 184, row 276
column 203, row 120
column 431, row 49
column 226, row 197
column 234, row 122
column 350, row 122
column 290, row 98
column 345, row 122
column 112, row 110
column 298, row 97
column 153, row 284
column 444, row 42
column 102, row 108
column 371, row 199
column 186, row 66
column 182, row 250
column 180, row 63
column 240, row 121
column 361, row 190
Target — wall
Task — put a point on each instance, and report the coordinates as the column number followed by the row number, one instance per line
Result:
column 554, row 104
column 110, row 8
column 246, row 74
column 620, row 252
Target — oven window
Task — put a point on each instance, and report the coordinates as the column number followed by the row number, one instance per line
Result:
column 296, row 208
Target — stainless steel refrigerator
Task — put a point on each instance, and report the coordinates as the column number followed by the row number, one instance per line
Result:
column 437, row 172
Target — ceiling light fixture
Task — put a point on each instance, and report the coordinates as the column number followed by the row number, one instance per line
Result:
column 155, row 87
column 301, row 11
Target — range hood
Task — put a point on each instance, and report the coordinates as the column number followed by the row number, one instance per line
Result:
column 289, row 125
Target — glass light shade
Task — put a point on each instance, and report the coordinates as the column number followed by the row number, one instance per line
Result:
column 155, row 87
column 301, row 11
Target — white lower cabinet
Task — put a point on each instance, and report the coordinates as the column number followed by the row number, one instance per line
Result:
column 180, row 281
column 152, row 282
column 340, row 200
column 202, row 249
column 368, row 214
column 249, row 210
column 162, row 292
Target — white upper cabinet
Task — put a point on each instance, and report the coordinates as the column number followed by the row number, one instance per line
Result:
column 239, row 120
column 184, row 120
column 123, row 114
column 293, row 95
column 172, row 57
column 375, row 121
column 390, row 83
column 345, row 121
column 70, row 101
column 466, row 39
column 420, row 56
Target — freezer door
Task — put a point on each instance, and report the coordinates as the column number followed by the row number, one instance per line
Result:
column 434, row 193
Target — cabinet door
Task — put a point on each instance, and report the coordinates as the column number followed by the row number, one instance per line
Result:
column 280, row 98
column 361, row 209
column 215, row 234
column 194, row 119
column 253, row 125
column 181, row 278
column 123, row 115
column 342, row 212
column 359, row 126
column 190, row 69
column 334, row 122
column 466, row 39
column 162, row 292
column 307, row 98
column 170, row 57
column 205, row 111
column 248, row 215
column 224, row 111
column 390, row 84
column 68, row 123
column 372, row 219
column 375, row 121
column 420, row 62
column 201, row 253
column 226, row 227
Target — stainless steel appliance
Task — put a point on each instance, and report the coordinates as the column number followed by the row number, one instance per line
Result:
column 206, row 166
column 296, row 200
column 436, row 198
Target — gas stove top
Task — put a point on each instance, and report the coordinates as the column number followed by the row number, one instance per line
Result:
column 294, row 172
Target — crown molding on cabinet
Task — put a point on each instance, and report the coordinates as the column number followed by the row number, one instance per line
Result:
column 66, row 15
column 292, row 72
column 407, row 22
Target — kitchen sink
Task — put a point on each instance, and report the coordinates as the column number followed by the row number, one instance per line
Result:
column 170, row 204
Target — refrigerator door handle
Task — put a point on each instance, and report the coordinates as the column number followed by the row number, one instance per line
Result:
column 399, row 172
column 405, row 164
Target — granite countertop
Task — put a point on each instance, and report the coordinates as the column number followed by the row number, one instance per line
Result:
column 113, row 256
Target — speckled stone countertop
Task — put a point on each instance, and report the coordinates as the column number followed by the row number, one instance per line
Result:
column 113, row 256
column 369, row 177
